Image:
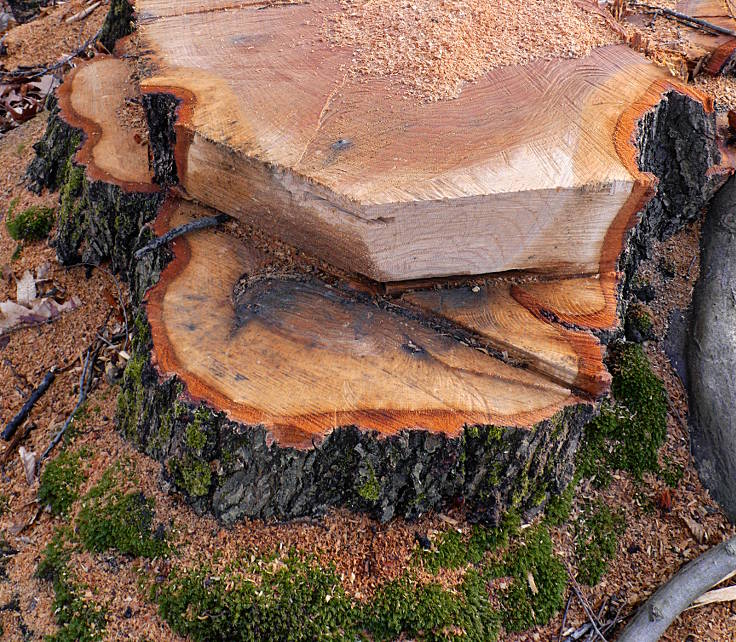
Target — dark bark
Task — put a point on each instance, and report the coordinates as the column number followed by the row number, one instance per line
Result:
column 238, row 471
column 712, row 353
column 161, row 112
column 118, row 23
column 677, row 143
column 97, row 221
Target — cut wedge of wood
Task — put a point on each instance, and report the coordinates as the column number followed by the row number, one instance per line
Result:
column 531, row 168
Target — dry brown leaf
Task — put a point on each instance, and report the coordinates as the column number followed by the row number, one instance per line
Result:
column 532, row 584
column 697, row 530
column 28, row 459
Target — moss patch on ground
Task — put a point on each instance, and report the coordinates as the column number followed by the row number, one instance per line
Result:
column 295, row 599
column 32, row 224
column 111, row 519
column 60, row 481
column 80, row 619
column 539, row 580
column 596, row 534
column 628, row 432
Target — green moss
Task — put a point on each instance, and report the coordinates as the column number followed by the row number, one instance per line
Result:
column 532, row 557
column 33, row 224
column 370, row 490
column 596, row 535
column 79, row 619
column 291, row 599
column 671, row 473
column 4, row 504
column 429, row 612
column 131, row 397
column 294, row 599
column 453, row 549
column 628, row 433
column 559, row 506
column 111, row 519
column 196, row 437
column 60, row 482
column 55, row 556
column 192, row 474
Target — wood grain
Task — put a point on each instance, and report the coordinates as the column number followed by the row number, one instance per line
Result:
column 523, row 171
column 92, row 98
column 303, row 358
column 572, row 358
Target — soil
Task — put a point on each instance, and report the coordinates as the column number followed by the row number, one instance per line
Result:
column 367, row 554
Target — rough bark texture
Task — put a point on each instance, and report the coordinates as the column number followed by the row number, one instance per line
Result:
column 53, row 151
column 712, row 353
column 161, row 117
column 118, row 23
column 237, row 471
column 97, row 221
column 25, row 10
column 677, row 143
column 671, row 599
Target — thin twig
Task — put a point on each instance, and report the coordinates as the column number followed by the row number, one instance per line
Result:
column 121, row 302
column 16, row 421
column 564, row 618
column 198, row 224
column 584, row 604
column 690, row 21
column 42, row 71
column 85, row 383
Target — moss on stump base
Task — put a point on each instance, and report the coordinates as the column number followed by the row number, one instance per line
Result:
column 237, row 470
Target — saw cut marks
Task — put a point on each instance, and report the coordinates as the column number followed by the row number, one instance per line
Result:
column 92, row 98
column 529, row 168
column 302, row 358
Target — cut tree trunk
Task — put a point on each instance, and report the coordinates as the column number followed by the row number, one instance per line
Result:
column 275, row 131
column 291, row 360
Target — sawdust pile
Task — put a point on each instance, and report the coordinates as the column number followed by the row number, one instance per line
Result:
column 433, row 47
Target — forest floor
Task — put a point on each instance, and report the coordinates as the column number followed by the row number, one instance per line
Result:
column 665, row 527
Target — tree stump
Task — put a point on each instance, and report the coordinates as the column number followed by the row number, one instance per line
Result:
column 411, row 305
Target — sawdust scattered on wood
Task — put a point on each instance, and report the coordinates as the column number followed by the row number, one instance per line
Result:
column 434, row 47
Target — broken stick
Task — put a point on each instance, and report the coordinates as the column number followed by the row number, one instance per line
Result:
column 198, row 224
column 16, row 421
column 690, row 21
column 690, row 582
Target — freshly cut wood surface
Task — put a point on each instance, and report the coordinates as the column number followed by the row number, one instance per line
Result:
column 722, row 47
column 495, row 311
column 93, row 98
column 302, row 358
column 530, row 168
